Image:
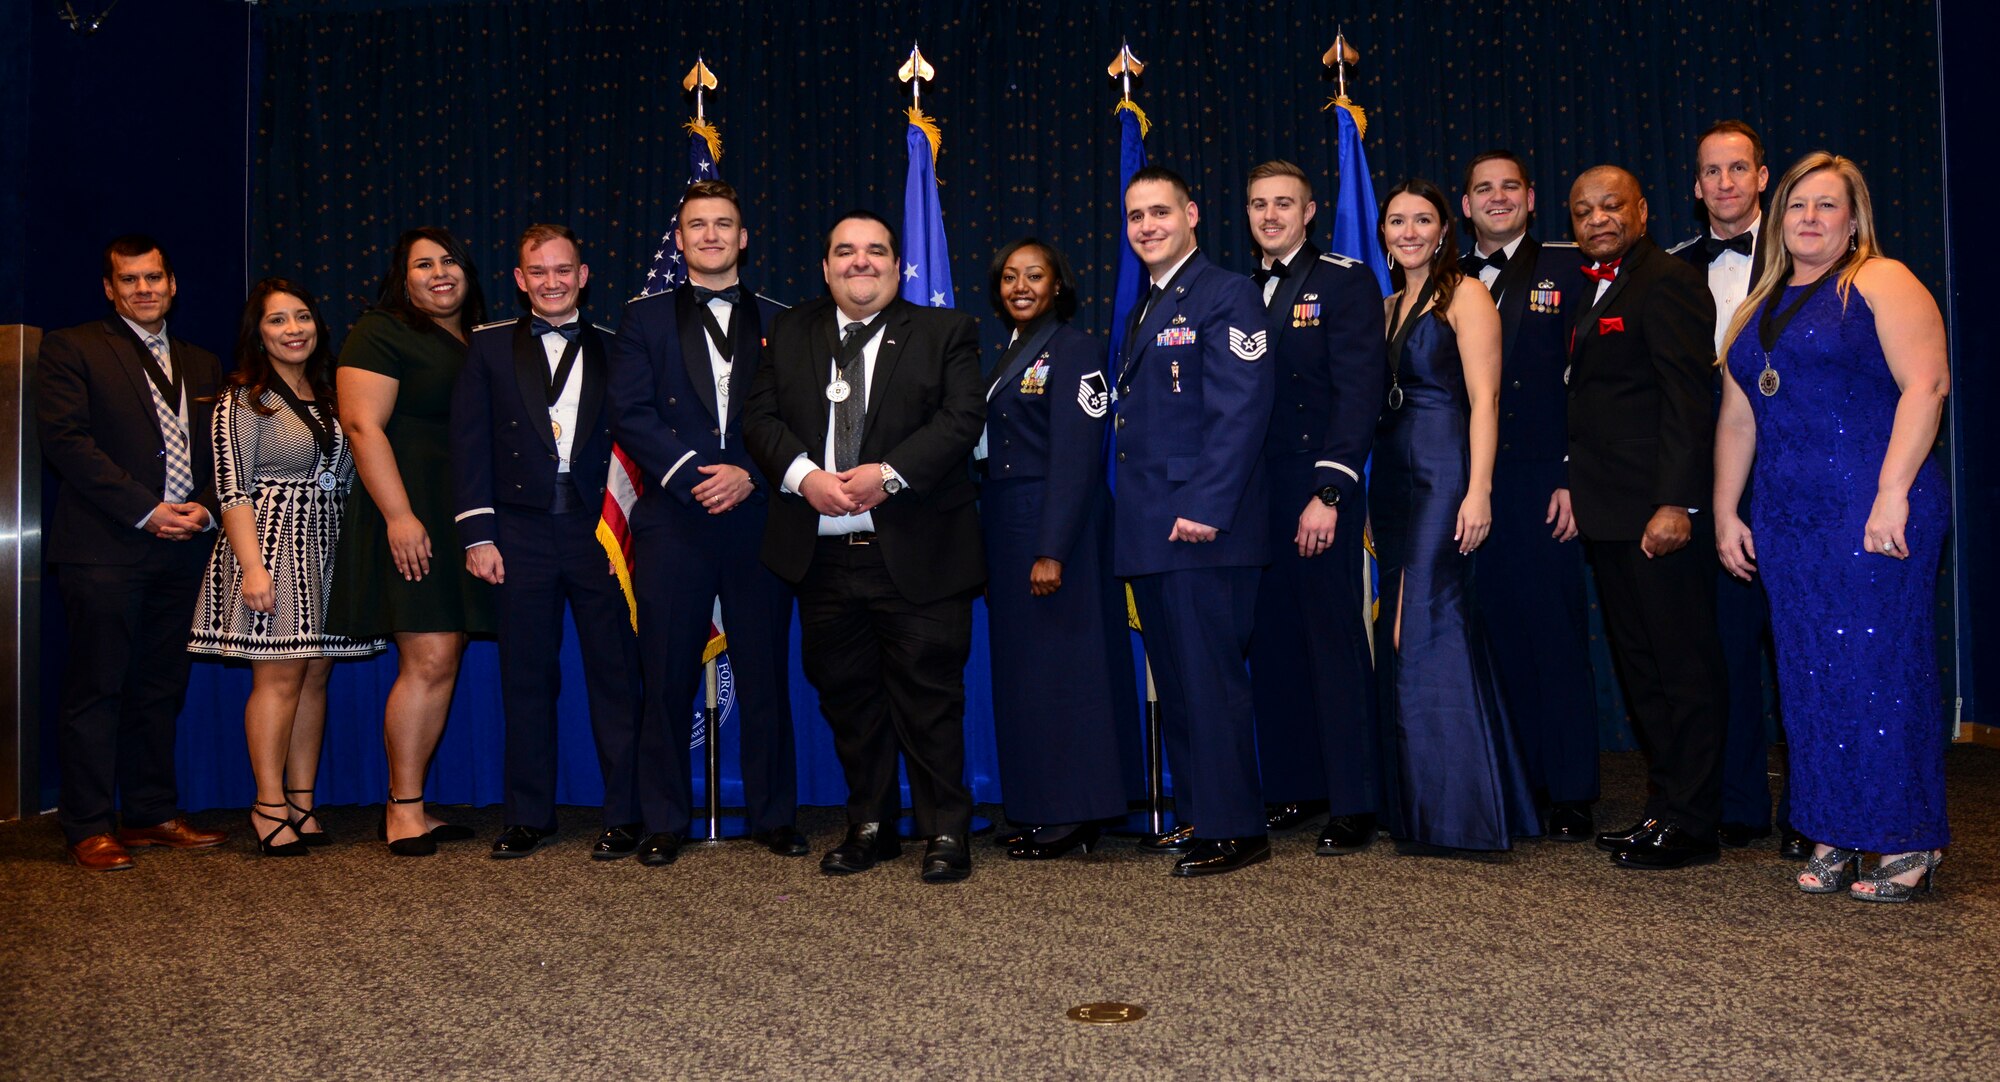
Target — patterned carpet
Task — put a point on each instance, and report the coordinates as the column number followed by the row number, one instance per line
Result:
column 734, row 963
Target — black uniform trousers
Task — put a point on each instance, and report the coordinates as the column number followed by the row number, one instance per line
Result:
column 891, row 676
column 552, row 559
column 1198, row 623
column 124, row 685
column 1660, row 616
column 680, row 568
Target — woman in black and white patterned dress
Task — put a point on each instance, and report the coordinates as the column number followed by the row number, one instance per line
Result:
column 282, row 471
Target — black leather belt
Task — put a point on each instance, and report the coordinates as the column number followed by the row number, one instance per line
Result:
column 863, row 537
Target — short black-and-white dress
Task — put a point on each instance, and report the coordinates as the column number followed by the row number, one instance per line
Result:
column 276, row 464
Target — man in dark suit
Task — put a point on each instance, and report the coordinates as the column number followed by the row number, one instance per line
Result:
column 1532, row 602
column 124, row 413
column 1641, row 432
column 531, row 451
column 1310, row 667
column 1193, row 400
column 867, row 409
column 680, row 370
column 1730, row 177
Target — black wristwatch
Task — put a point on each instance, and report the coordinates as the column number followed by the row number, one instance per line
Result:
column 1329, row 496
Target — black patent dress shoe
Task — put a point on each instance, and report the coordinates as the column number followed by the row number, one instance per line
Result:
column 1571, row 823
column 866, row 845
column 1739, row 835
column 1048, row 843
column 1178, row 840
column 616, row 842
column 518, row 842
column 1344, row 834
column 1291, row 815
column 1615, row 840
column 786, row 841
column 1793, row 845
column 1012, row 836
column 659, row 849
column 1672, row 846
column 946, row 860
column 1217, row 856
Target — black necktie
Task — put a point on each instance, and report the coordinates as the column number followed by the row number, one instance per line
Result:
column 703, row 294
column 1472, row 263
column 1145, row 309
column 849, row 412
column 569, row 330
column 1712, row 246
column 1276, row 270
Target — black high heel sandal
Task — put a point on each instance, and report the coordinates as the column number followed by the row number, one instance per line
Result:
column 1048, row 843
column 422, row 845
column 317, row 838
column 277, row 849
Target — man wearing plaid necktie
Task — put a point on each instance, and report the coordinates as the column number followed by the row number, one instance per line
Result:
column 124, row 415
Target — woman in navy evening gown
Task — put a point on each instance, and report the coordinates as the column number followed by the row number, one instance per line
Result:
column 1837, row 379
column 1457, row 782
column 1065, row 701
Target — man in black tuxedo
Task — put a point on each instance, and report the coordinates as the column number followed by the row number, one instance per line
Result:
column 867, row 408
column 1641, row 435
column 124, row 412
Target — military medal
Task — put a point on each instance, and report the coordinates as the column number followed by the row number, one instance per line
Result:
column 722, row 385
column 1174, row 373
column 838, row 390
column 1767, row 380
column 1395, row 396
column 1771, row 323
column 555, row 426
column 327, row 481
column 1399, row 333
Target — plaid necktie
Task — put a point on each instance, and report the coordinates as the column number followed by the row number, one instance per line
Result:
column 180, row 461
column 849, row 412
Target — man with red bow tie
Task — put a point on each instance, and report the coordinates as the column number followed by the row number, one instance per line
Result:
column 1641, row 432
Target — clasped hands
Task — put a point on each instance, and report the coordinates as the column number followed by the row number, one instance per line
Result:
column 846, row 492
column 177, row 521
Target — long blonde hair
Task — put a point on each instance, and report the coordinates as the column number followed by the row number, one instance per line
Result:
column 1775, row 268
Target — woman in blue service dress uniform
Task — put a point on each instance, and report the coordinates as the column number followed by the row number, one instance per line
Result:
column 1457, row 781
column 1837, row 378
column 1064, row 695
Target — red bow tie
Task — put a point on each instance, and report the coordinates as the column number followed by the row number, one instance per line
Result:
column 1605, row 273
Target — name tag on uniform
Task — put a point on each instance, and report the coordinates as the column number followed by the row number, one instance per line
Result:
column 1545, row 297
column 1036, row 379
column 1305, row 315
column 1175, row 336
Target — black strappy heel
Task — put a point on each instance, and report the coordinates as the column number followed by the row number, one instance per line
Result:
column 277, row 849
column 317, row 838
column 421, row 845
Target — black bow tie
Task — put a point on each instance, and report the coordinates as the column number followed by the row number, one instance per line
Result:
column 569, row 330
column 703, row 294
column 1712, row 246
column 1472, row 263
column 1265, row 274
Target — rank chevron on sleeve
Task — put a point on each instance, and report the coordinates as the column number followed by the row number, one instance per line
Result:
column 1247, row 346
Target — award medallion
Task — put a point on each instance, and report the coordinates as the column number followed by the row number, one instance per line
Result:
column 838, row 390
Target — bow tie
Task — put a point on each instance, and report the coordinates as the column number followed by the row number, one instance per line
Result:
column 1263, row 275
column 1712, row 246
column 703, row 294
column 569, row 330
column 1606, row 273
column 1473, row 263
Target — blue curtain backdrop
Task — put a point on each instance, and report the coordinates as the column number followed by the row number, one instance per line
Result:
column 484, row 116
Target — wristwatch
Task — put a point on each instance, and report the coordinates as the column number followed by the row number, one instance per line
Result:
column 1329, row 496
column 891, row 484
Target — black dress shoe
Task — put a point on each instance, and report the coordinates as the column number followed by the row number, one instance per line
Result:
column 785, row 841
column 1738, row 835
column 616, row 842
column 1615, row 840
column 1215, row 856
column 1793, row 845
column 1048, row 843
column 660, row 848
column 1346, row 834
column 1292, row 815
column 452, row 832
column 1178, row 840
column 1012, row 836
column 866, row 845
column 518, row 842
column 946, row 859
column 1671, row 846
column 1571, row 823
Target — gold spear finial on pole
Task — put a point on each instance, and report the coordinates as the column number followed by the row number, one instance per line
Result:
column 1123, row 68
column 916, row 71
column 699, row 79
column 1338, row 58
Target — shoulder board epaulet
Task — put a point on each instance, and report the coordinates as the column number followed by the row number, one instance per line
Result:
column 605, row 330
column 1339, row 260
column 1558, row 244
column 773, row 300
column 496, row 323
column 1691, row 240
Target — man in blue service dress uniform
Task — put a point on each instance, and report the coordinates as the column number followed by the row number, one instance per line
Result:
column 531, row 451
column 1532, row 601
column 1310, row 669
column 1194, row 397
column 680, row 372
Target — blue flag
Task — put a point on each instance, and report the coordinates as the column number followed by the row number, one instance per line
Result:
column 1355, row 234
column 926, row 262
column 1131, row 280
column 668, row 270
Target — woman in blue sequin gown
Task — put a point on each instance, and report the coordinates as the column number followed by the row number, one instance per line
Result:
column 1837, row 379
column 1456, row 781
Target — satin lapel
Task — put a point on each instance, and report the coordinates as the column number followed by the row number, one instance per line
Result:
column 531, row 372
column 1029, row 350
column 895, row 335
column 1278, row 315
column 694, row 348
column 131, row 354
column 595, row 376
column 1516, row 279
column 746, row 336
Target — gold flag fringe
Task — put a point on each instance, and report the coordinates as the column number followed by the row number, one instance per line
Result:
column 1360, row 115
column 708, row 132
column 929, row 126
column 1124, row 104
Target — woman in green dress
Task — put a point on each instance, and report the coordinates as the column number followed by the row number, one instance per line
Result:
column 395, row 378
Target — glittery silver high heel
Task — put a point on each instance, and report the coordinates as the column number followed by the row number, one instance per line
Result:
column 1881, row 885
column 1830, row 874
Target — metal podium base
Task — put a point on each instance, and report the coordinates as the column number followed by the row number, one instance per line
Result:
column 725, row 828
